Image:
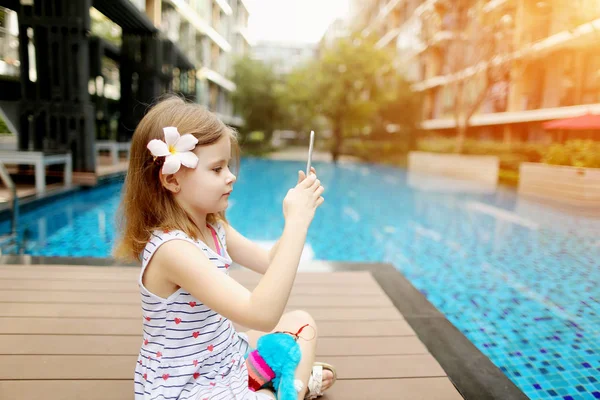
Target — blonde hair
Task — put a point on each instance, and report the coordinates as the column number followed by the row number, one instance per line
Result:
column 146, row 205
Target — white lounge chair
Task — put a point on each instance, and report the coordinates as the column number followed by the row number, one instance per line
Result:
column 40, row 160
column 114, row 148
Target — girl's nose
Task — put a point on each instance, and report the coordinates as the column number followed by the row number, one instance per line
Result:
column 232, row 178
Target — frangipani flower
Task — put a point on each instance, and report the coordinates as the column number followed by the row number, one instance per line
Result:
column 176, row 148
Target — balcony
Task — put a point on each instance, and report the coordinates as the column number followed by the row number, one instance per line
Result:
column 244, row 4
column 125, row 14
column 515, row 117
column 139, row 4
column 439, row 27
column 199, row 23
column 584, row 35
column 226, row 8
column 202, row 7
column 171, row 23
column 389, row 37
column 494, row 6
column 223, row 29
column 243, row 32
column 442, row 38
column 217, row 78
column 385, row 11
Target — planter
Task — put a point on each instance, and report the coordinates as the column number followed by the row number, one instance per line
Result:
column 566, row 185
column 482, row 169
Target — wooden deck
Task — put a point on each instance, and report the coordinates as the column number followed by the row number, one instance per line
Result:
column 73, row 332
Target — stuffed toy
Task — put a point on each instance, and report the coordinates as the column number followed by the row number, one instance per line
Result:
column 275, row 361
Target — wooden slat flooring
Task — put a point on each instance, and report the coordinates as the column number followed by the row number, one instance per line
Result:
column 74, row 332
column 86, row 326
column 131, row 298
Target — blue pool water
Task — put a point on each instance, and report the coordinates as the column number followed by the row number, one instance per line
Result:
column 519, row 279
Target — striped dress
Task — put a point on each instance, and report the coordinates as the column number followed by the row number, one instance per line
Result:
column 189, row 351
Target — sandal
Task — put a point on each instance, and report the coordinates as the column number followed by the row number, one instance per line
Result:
column 316, row 380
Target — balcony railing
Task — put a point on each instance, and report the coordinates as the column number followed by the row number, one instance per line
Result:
column 494, row 5
column 202, row 25
column 441, row 38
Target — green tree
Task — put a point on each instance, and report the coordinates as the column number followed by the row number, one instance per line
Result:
column 256, row 97
column 401, row 116
column 298, row 96
column 105, row 28
column 3, row 127
column 355, row 80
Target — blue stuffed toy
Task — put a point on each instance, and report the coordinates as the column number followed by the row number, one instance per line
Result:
column 275, row 360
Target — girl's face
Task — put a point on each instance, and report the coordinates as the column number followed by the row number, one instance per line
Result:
column 206, row 188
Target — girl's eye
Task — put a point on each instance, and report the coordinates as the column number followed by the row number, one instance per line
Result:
column 217, row 170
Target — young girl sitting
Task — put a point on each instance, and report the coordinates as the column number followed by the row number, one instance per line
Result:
column 175, row 195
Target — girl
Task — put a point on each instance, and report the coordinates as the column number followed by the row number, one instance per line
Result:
column 175, row 195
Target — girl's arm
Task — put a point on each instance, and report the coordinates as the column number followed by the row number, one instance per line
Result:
column 183, row 264
column 273, row 251
column 247, row 253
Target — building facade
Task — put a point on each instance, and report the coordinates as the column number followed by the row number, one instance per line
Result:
column 541, row 62
column 284, row 57
column 210, row 33
column 74, row 73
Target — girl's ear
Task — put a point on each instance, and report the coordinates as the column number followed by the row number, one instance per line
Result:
column 170, row 182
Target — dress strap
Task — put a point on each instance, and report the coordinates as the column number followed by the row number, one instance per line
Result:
column 215, row 238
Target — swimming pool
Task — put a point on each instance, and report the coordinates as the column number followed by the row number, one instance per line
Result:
column 519, row 279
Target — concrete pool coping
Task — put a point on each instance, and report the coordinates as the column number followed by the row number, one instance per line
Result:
column 29, row 200
column 470, row 371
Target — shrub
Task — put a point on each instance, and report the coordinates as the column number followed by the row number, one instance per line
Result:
column 376, row 150
column 576, row 153
column 256, row 136
column 3, row 128
column 255, row 144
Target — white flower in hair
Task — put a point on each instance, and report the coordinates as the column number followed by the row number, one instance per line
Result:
column 176, row 148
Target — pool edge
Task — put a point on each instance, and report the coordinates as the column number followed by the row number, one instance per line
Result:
column 472, row 372
column 35, row 200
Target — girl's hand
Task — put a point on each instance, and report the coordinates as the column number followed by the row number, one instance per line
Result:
column 302, row 175
column 301, row 202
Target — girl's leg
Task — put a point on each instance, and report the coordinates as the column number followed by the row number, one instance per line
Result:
column 268, row 393
column 291, row 322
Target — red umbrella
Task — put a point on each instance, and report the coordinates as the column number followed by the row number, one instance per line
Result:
column 583, row 122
